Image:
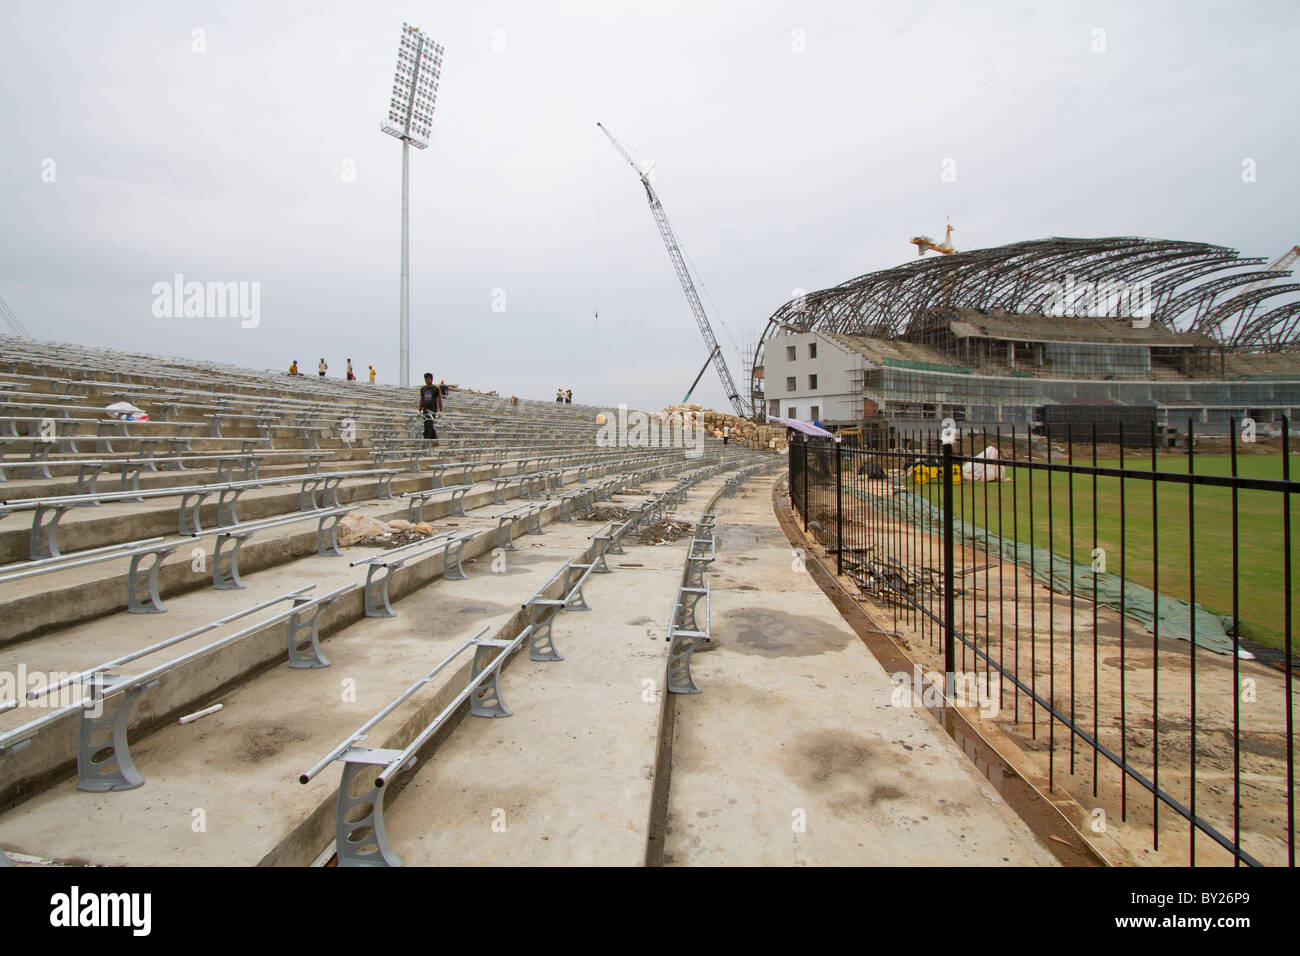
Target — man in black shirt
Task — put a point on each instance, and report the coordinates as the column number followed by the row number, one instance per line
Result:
column 430, row 405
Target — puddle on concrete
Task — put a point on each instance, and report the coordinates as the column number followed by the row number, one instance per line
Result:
column 474, row 608
column 734, row 538
column 771, row 633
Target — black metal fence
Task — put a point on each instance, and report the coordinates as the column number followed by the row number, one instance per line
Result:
column 1096, row 602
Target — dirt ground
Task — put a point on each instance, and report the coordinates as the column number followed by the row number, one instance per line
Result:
column 1132, row 694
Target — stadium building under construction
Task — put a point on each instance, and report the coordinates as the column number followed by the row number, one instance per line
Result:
column 1043, row 332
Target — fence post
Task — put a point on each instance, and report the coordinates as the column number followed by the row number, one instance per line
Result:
column 949, row 588
column 839, row 512
column 804, row 444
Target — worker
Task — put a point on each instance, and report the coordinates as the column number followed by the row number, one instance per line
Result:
column 430, row 406
column 568, row 396
column 351, row 375
column 559, row 395
column 372, row 375
column 726, row 434
column 322, row 367
column 293, row 369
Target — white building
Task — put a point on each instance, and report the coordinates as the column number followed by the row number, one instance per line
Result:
column 810, row 376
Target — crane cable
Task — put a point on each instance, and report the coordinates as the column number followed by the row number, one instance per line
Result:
column 13, row 321
column 717, row 314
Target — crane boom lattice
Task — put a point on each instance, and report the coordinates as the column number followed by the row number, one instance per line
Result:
column 684, row 277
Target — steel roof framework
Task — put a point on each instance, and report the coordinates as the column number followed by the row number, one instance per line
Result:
column 1021, row 278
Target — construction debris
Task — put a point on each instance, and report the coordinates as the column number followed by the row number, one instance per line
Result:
column 357, row 530
column 742, row 430
column 667, row 530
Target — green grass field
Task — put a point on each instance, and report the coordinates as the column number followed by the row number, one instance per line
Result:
column 1262, row 592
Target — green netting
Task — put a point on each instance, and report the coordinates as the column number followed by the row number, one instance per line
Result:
column 927, row 366
column 1176, row 616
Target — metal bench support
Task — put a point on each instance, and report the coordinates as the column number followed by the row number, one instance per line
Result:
column 359, row 834
column 45, row 531
column 104, row 762
column 142, row 595
column 679, row 663
column 486, row 701
column 541, row 642
column 225, row 560
column 304, row 635
column 376, row 591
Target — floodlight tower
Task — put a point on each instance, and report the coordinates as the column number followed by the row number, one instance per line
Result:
column 410, row 114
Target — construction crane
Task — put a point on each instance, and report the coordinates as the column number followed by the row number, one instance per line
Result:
column 703, row 368
column 925, row 244
column 688, row 286
column 13, row 321
column 1246, row 297
column 1278, row 268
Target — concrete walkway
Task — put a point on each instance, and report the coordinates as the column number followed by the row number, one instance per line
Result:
column 568, row 780
column 793, row 754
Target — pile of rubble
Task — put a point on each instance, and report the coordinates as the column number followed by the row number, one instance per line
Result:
column 356, row 530
column 742, row 431
column 666, row 530
column 684, row 413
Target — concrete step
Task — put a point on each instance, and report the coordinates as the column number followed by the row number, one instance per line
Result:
column 33, row 606
column 271, row 571
column 239, row 766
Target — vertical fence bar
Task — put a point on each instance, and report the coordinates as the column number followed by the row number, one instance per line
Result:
column 839, row 510
column 1286, row 592
column 1155, row 642
column 1051, row 614
column 949, row 586
column 1015, row 570
column 1095, row 554
column 1069, row 484
column 1191, row 616
column 1123, row 642
column 804, row 446
column 1236, row 658
column 1033, row 606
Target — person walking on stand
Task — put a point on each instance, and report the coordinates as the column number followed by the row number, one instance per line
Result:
column 351, row 375
column 726, row 435
column 430, row 406
column 568, row 396
column 372, row 375
column 559, row 395
column 322, row 367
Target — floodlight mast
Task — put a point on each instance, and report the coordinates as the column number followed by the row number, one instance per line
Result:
column 410, row 114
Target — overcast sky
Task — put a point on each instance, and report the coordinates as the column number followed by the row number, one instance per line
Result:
column 795, row 146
